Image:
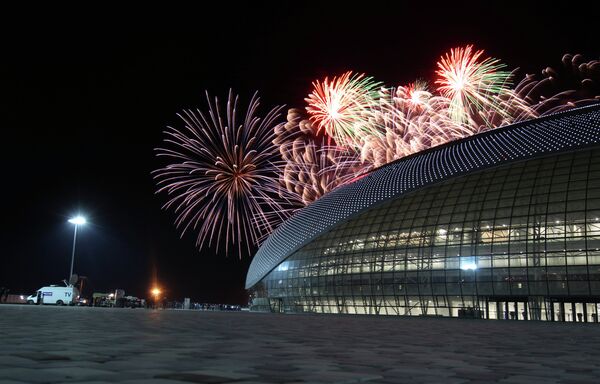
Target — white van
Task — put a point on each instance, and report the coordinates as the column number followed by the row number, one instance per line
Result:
column 55, row 294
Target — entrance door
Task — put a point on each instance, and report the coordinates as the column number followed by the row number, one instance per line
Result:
column 502, row 309
column 276, row 305
column 575, row 312
column 496, row 310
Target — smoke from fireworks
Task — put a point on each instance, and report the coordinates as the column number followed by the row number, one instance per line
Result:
column 222, row 175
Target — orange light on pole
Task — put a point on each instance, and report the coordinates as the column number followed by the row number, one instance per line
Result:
column 156, row 294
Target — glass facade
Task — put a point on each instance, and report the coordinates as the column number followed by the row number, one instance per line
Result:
column 519, row 241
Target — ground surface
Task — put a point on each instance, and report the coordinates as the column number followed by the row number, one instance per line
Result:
column 74, row 344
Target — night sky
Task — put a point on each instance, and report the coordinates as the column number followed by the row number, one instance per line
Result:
column 85, row 98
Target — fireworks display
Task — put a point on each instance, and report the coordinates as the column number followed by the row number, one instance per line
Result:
column 408, row 120
column 222, row 179
column 340, row 106
column 312, row 168
column 575, row 83
column 245, row 177
column 470, row 83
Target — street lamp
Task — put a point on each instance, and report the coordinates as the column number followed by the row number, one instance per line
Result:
column 156, row 293
column 77, row 220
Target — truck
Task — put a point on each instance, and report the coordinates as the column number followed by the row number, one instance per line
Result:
column 114, row 299
column 55, row 294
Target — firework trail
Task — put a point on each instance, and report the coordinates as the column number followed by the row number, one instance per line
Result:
column 472, row 84
column 339, row 106
column 385, row 124
column 222, row 173
column 312, row 167
column 575, row 83
column 242, row 175
column 473, row 96
column 409, row 119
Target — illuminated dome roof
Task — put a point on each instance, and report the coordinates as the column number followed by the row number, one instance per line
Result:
column 565, row 131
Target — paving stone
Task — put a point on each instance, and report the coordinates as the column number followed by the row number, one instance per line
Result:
column 42, row 356
column 8, row 381
column 90, row 382
column 28, row 375
column 78, row 373
column 254, row 382
column 525, row 379
column 15, row 361
column 151, row 381
column 221, row 373
column 178, row 347
column 196, row 378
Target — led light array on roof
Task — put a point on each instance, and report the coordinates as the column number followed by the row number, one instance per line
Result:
column 576, row 128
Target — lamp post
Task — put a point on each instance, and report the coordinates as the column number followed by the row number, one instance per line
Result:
column 77, row 221
column 156, row 293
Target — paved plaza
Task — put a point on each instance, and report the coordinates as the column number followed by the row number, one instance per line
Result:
column 98, row 345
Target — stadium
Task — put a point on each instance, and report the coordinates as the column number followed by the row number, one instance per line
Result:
column 500, row 225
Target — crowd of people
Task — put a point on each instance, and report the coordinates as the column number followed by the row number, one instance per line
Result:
column 215, row 307
column 196, row 306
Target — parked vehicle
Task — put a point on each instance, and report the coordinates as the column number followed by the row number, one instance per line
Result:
column 82, row 302
column 112, row 299
column 55, row 294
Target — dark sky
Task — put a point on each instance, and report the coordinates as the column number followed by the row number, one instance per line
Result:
column 86, row 94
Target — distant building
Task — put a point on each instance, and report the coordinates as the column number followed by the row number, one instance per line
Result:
column 14, row 299
column 500, row 225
